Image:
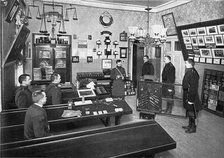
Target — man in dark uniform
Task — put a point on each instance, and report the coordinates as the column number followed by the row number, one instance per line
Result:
column 36, row 122
column 191, row 101
column 118, row 76
column 168, row 77
column 23, row 97
column 53, row 90
column 147, row 68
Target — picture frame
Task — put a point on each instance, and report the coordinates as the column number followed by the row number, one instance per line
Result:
column 202, row 60
column 201, row 41
column 196, row 59
column 222, row 61
column 218, row 53
column 188, row 46
column 216, row 61
column 219, row 40
column 170, row 24
column 221, row 29
column 211, row 30
column 12, row 11
column 201, row 31
column 89, row 59
column 187, row 40
column 123, row 36
column 75, row 59
column 205, row 52
column 185, row 33
column 106, row 63
column 193, row 32
column 209, row 39
column 194, row 41
column 209, row 60
column 123, row 52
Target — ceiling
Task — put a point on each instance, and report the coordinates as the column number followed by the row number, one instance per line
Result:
column 134, row 5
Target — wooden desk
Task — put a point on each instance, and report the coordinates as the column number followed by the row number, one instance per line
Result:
column 12, row 122
column 129, row 140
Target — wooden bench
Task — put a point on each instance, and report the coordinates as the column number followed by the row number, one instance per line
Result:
column 12, row 122
column 134, row 139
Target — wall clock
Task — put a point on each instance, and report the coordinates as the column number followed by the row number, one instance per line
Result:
column 106, row 19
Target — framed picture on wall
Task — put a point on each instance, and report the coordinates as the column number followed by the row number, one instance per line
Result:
column 193, row 32
column 106, row 63
column 185, row 33
column 218, row 53
column 221, row 29
column 222, row 61
column 205, row 52
column 187, row 40
column 188, row 46
column 169, row 23
column 201, row 31
column 123, row 36
column 211, row 30
column 209, row 60
column 196, row 59
column 202, row 60
column 201, row 40
column 194, row 41
column 209, row 39
column 219, row 40
column 216, row 61
column 123, row 52
column 75, row 59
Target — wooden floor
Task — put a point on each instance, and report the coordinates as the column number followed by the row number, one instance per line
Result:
column 207, row 142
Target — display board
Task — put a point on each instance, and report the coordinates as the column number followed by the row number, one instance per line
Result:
column 213, row 91
column 203, row 42
column 149, row 97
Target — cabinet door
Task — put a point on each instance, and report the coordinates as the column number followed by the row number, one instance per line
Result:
column 42, row 63
column 62, row 62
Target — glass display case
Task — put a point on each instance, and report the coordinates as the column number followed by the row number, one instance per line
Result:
column 49, row 58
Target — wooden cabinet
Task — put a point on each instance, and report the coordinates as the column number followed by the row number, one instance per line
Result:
column 51, row 56
column 213, row 91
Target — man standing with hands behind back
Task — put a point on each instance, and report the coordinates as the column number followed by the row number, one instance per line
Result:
column 147, row 68
column 191, row 100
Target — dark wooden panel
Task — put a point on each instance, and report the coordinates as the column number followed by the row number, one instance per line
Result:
column 137, row 138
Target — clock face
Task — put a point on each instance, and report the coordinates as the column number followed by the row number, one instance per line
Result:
column 106, row 19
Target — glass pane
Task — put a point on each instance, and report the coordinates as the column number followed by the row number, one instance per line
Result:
column 60, row 54
column 168, row 46
column 60, row 63
column 177, row 46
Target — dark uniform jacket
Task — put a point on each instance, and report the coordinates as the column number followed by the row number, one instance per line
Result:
column 190, row 90
column 118, row 84
column 23, row 97
column 147, row 69
column 53, row 92
column 168, row 76
column 36, row 123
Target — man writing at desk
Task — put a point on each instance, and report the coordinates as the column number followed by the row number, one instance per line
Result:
column 36, row 122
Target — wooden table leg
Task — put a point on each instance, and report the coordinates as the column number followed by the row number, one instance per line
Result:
column 117, row 120
column 106, row 121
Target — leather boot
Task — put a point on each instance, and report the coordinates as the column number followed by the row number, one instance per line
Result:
column 189, row 124
column 192, row 129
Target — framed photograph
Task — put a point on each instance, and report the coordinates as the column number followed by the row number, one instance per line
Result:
column 187, row 40
column 185, row 33
column 209, row 39
column 188, row 46
column 209, row 60
column 221, row 29
column 89, row 59
column 216, row 61
column 201, row 31
column 123, row 52
column 205, row 52
column 194, row 41
column 192, row 32
column 218, row 53
column 196, row 59
column 123, row 36
column 222, row 61
column 202, row 60
column 12, row 11
column 219, row 40
column 169, row 23
column 196, row 52
column 106, row 63
column 75, row 59
column 201, row 40
column 211, row 30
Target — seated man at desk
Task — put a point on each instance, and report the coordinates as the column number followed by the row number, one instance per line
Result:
column 36, row 122
column 53, row 90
